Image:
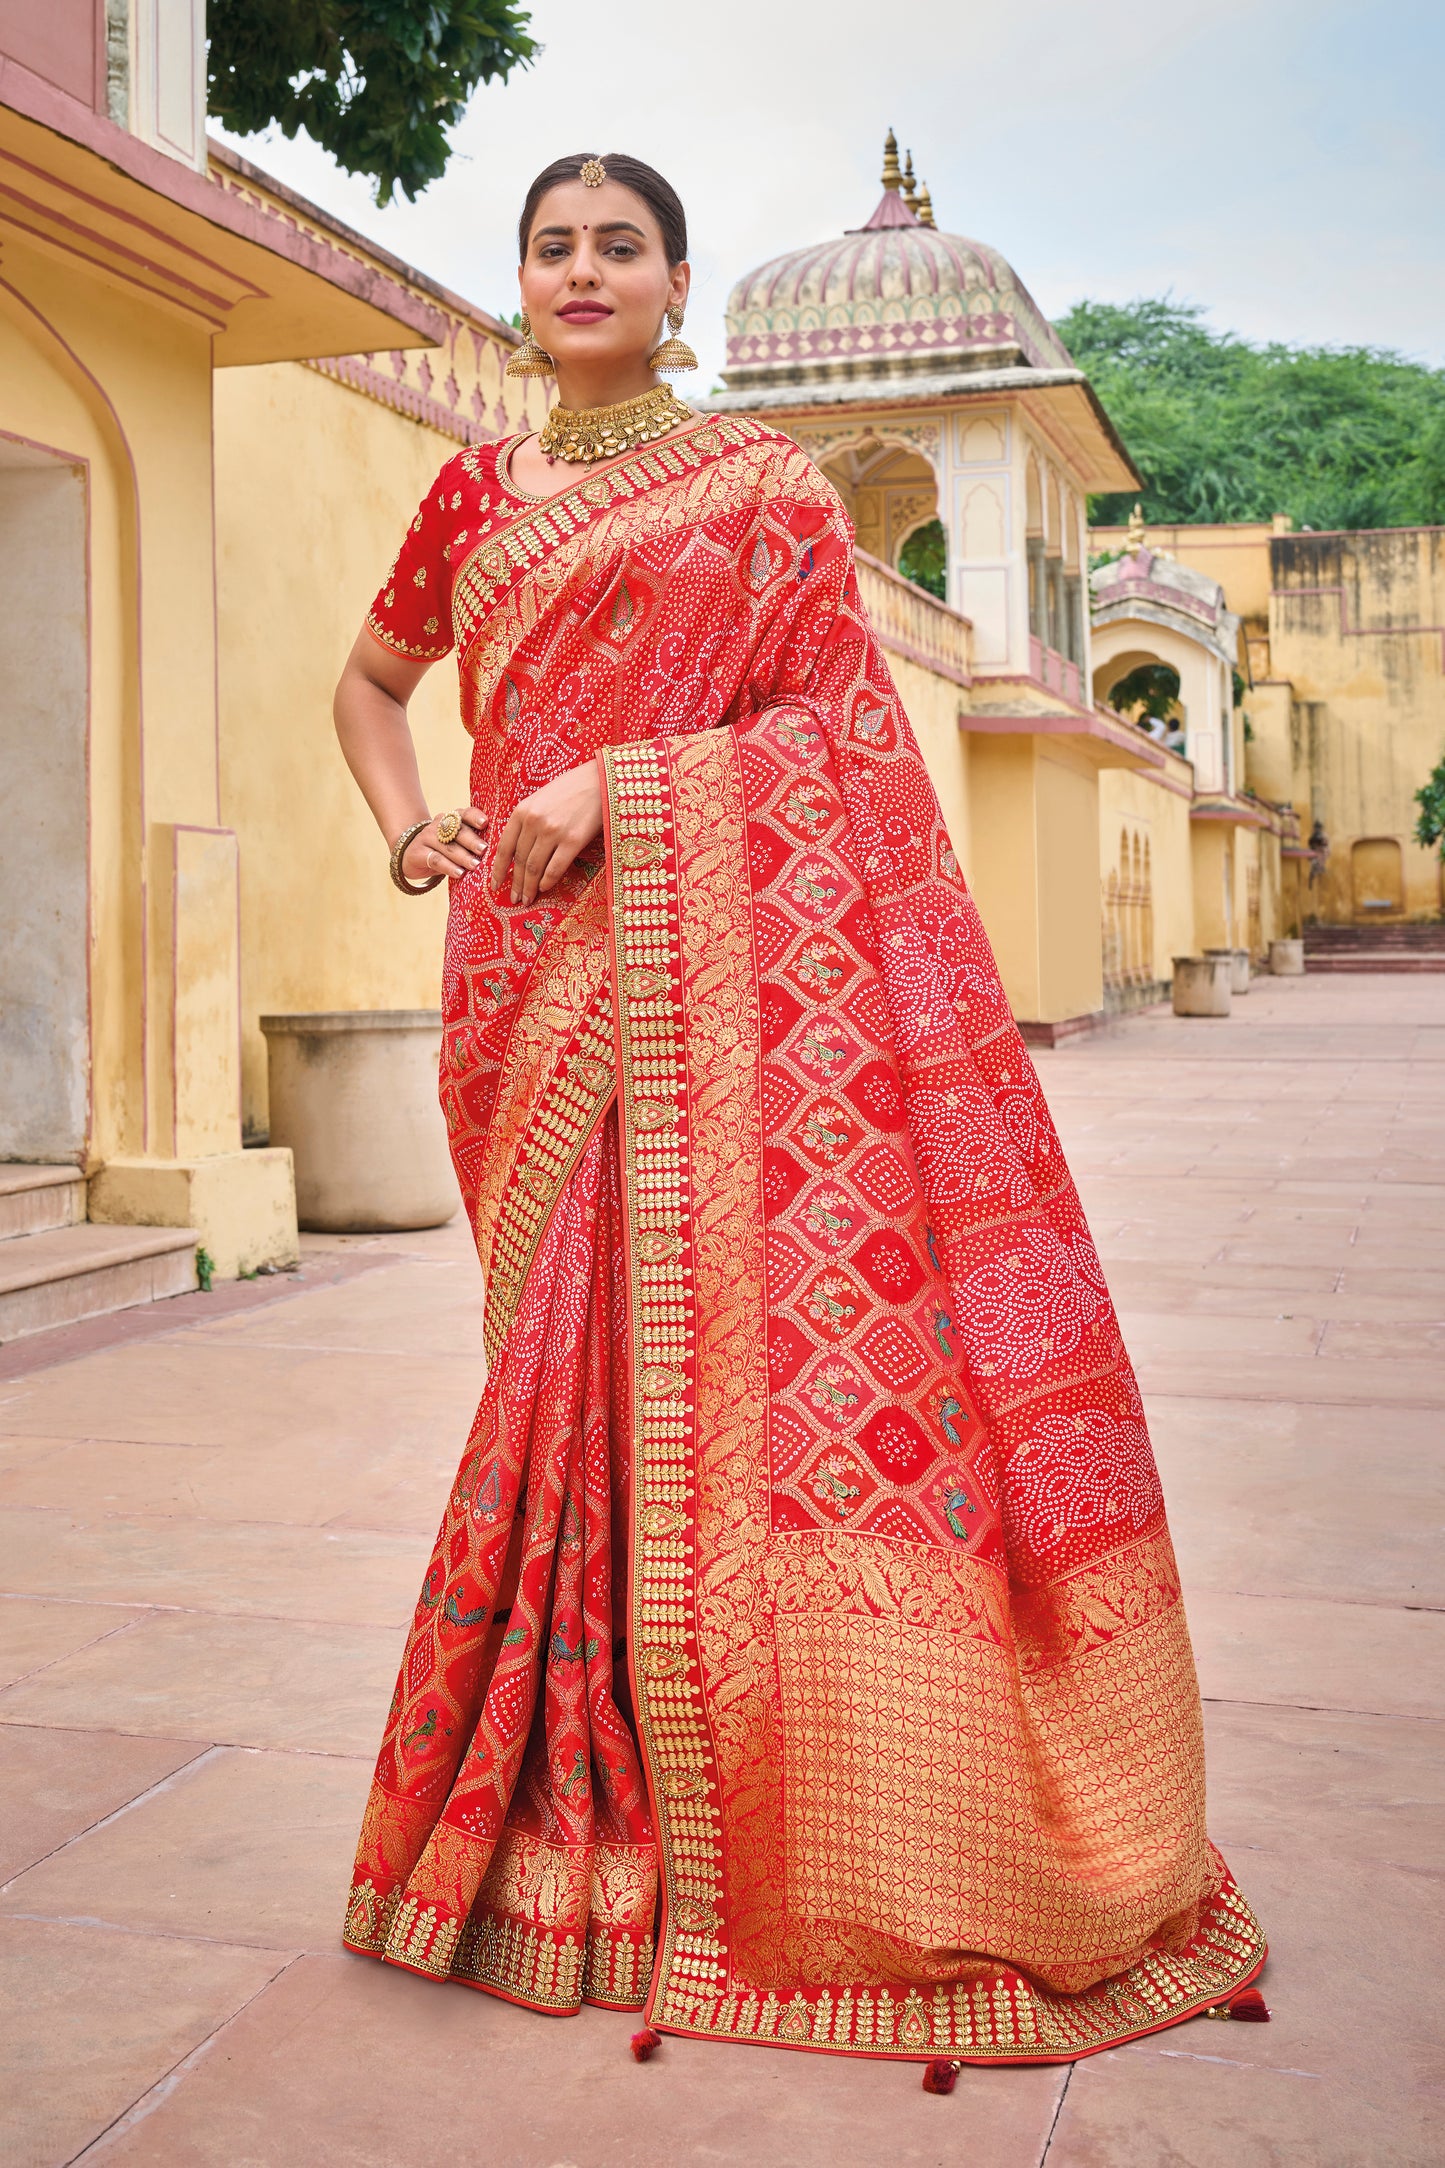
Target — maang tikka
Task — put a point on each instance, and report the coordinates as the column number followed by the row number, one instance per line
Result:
column 674, row 356
column 530, row 359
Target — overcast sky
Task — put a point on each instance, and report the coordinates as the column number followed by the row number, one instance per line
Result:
column 1280, row 161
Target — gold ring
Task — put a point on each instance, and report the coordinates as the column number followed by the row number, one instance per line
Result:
column 449, row 827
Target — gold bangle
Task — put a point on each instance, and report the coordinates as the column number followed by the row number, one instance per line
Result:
column 398, row 852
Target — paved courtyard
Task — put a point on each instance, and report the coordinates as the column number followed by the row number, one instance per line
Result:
column 214, row 1516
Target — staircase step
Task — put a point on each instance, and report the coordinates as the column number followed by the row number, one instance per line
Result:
column 1411, row 935
column 33, row 1199
column 1406, row 960
column 65, row 1274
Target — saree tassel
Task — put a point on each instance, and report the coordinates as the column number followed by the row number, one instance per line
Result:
column 644, row 2043
column 941, row 2075
column 1249, row 2006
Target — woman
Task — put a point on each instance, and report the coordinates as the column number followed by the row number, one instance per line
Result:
column 806, row 1568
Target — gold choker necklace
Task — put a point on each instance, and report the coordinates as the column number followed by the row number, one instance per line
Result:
column 585, row 434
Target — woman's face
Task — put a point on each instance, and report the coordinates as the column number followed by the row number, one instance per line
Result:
column 596, row 282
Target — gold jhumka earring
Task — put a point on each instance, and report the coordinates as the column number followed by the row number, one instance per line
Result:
column 674, row 357
column 530, row 359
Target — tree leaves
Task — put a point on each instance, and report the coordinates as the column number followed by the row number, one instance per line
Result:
column 376, row 82
column 1430, row 827
column 1150, row 688
column 1221, row 430
column 924, row 558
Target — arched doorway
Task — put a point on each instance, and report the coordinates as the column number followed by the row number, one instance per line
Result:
column 1128, row 673
column 889, row 492
column 1377, row 877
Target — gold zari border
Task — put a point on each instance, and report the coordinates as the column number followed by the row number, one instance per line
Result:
column 566, row 1113
column 547, row 1969
column 998, row 2015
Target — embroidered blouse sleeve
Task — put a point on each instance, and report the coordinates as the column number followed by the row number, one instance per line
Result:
column 412, row 613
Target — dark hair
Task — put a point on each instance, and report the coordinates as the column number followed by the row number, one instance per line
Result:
column 659, row 195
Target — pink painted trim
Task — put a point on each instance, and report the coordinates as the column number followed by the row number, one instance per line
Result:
column 1116, row 592
column 1075, row 724
column 477, row 319
column 1366, row 632
column 36, row 100
column 139, row 226
column 101, row 261
column 402, row 398
column 1238, row 813
column 109, row 405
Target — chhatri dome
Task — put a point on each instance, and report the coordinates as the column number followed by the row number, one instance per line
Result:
column 893, row 298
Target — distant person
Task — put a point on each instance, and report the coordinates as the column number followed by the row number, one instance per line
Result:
column 1319, row 847
column 806, row 1570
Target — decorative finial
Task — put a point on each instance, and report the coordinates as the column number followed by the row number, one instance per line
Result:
column 924, row 206
column 1134, row 539
column 892, row 178
column 910, row 186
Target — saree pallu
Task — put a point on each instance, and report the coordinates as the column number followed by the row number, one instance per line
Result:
column 805, row 1593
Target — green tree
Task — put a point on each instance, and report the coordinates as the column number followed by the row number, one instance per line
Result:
column 1150, row 689
column 924, row 558
column 1430, row 827
column 1222, row 430
column 376, row 82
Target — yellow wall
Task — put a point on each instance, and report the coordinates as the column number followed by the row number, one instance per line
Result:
column 1238, row 889
column 1347, row 700
column 1133, row 806
column 933, row 705
column 1034, row 870
column 1355, row 628
column 316, row 486
column 102, row 376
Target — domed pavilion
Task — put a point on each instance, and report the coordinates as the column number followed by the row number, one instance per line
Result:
column 917, row 369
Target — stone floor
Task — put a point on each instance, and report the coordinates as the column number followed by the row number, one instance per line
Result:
column 213, row 1520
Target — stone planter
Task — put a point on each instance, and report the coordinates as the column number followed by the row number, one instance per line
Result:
column 1238, row 961
column 354, row 1095
column 1201, row 984
column 1287, row 959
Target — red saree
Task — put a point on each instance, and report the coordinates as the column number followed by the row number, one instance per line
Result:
column 805, row 1585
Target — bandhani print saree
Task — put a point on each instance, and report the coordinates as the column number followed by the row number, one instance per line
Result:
column 801, row 1656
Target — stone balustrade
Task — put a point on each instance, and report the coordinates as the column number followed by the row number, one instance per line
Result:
column 911, row 622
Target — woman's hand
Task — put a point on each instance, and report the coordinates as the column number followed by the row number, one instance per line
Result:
column 427, row 855
column 547, row 831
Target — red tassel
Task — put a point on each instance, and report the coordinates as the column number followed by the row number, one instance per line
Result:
column 941, row 2076
column 1248, row 2005
column 643, row 2044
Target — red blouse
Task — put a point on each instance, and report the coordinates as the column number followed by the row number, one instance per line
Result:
column 412, row 613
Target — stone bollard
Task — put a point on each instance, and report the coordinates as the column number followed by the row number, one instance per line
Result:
column 1238, row 961
column 354, row 1094
column 1201, row 984
column 1287, row 959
